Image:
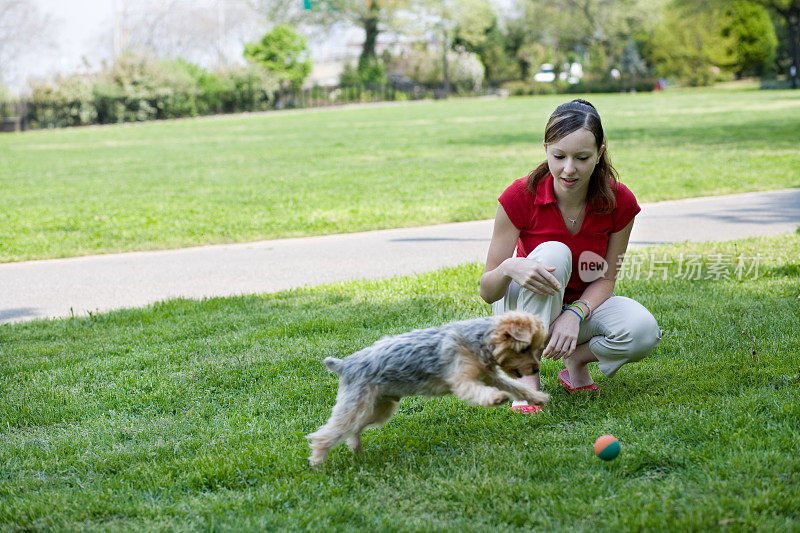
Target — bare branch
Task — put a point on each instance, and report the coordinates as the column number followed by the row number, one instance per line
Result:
column 23, row 32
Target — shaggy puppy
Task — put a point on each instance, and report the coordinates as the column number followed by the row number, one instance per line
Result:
column 461, row 358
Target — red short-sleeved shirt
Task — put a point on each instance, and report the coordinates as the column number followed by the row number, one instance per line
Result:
column 538, row 219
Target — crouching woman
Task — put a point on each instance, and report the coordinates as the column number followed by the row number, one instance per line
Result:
column 559, row 238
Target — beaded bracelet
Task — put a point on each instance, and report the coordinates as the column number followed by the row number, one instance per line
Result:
column 588, row 308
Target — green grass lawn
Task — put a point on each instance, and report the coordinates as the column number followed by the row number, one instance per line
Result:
column 191, row 415
column 178, row 183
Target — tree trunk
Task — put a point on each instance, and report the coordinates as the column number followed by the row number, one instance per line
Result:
column 445, row 73
column 370, row 23
column 793, row 19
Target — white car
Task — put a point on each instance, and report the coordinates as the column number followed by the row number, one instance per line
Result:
column 570, row 72
column 545, row 73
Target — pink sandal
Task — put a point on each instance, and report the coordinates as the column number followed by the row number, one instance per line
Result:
column 527, row 409
column 563, row 377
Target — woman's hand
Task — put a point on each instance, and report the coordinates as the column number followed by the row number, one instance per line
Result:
column 532, row 275
column 563, row 336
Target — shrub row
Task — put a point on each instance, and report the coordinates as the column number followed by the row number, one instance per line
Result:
column 522, row 88
column 137, row 89
column 623, row 84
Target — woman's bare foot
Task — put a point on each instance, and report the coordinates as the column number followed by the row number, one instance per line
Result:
column 578, row 374
column 577, row 366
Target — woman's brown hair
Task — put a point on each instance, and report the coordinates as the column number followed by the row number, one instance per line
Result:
column 566, row 119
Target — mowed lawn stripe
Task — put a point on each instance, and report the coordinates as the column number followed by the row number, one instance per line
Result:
column 179, row 183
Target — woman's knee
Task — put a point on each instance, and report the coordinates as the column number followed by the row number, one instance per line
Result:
column 554, row 249
column 629, row 330
column 554, row 254
column 645, row 335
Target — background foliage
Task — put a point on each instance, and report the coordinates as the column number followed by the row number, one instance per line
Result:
column 282, row 52
column 424, row 66
column 138, row 88
column 620, row 45
column 699, row 44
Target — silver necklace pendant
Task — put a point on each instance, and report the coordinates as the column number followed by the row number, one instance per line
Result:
column 571, row 220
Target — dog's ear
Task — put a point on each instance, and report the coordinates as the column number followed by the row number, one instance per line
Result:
column 514, row 329
column 520, row 332
column 517, row 326
column 539, row 334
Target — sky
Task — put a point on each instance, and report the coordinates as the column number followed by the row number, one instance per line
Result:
column 82, row 39
column 80, row 27
column 83, row 32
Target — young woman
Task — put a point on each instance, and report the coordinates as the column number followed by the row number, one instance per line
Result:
column 569, row 222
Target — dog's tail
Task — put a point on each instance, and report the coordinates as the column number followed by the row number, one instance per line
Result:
column 333, row 364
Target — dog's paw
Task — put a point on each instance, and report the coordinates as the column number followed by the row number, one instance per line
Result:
column 537, row 397
column 498, row 398
column 355, row 445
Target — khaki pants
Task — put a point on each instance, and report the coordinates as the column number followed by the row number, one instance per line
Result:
column 619, row 331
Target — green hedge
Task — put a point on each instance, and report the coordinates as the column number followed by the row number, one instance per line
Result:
column 622, row 84
column 525, row 88
column 137, row 89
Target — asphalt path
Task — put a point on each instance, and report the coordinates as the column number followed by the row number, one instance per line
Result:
column 81, row 285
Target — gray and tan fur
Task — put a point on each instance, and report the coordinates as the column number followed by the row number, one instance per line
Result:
column 462, row 358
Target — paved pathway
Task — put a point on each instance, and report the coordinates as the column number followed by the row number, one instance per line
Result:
column 61, row 287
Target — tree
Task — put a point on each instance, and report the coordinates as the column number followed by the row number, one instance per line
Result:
column 499, row 65
column 179, row 29
column 789, row 10
column 373, row 16
column 750, row 38
column 23, row 33
column 598, row 30
column 688, row 43
column 289, row 12
column 695, row 41
column 464, row 21
column 524, row 47
column 632, row 63
column 282, row 52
